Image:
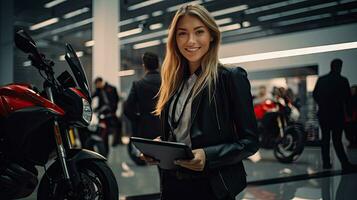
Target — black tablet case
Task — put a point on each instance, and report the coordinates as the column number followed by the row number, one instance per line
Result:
column 165, row 152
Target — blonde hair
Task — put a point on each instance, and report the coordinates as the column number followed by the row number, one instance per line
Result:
column 172, row 70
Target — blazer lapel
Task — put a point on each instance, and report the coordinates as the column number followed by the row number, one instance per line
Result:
column 194, row 108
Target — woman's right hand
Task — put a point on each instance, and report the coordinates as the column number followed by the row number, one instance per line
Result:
column 150, row 160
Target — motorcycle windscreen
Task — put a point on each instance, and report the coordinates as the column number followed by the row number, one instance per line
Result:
column 77, row 69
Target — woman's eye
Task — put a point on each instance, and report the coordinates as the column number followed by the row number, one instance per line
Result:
column 200, row 31
column 181, row 33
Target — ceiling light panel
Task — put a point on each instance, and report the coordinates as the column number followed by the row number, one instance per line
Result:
column 272, row 6
column 246, row 24
column 303, row 19
column 230, row 27
column 144, row 37
column 146, row 44
column 229, row 10
column 44, row 23
column 176, row 7
column 223, row 21
column 141, row 17
column 53, row 3
column 289, row 53
column 126, row 72
column 27, row 63
column 76, row 12
column 296, row 11
column 89, row 43
column 64, row 28
column 130, row 32
column 155, row 26
column 157, row 13
column 347, row 1
column 143, row 4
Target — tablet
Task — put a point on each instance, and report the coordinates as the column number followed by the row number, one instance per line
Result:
column 165, row 152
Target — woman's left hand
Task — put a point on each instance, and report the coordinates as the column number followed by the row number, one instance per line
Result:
column 197, row 163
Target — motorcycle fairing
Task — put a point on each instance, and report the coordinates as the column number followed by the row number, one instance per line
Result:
column 71, row 101
column 19, row 96
column 28, row 135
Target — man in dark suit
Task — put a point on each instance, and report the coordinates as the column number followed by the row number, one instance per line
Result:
column 142, row 100
column 331, row 93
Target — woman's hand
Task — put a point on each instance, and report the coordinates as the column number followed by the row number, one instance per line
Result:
column 149, row 160
column 197, row 163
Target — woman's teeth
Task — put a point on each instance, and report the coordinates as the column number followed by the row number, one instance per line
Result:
column 192, row 49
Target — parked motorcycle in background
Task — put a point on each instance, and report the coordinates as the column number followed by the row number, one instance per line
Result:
column 280, row 130
column 33, row 125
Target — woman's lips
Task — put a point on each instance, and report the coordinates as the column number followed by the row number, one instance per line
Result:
column 192, row 49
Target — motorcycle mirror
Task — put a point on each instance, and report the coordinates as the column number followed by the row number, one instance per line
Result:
column 24, row 42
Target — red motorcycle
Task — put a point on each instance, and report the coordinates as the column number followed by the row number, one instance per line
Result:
column 278, row 130
column 34, row 132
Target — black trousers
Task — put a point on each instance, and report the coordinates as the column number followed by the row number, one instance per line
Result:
column 187, row 189
column 336, row 132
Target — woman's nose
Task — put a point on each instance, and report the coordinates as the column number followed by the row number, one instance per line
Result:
column 191, row 39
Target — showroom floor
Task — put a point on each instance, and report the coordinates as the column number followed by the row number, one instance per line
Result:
column 267, row 178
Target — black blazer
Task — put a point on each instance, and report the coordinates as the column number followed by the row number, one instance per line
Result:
column 332, row 93
column 225, row 128
column 141, row 102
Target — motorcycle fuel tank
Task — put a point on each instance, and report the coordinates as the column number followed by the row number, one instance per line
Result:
column 14, row 97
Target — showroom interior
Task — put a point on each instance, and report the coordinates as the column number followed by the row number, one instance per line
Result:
column 285, row 44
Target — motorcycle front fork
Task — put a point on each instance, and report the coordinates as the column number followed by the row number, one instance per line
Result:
column 60, row 150
column 281, row 125
column 61, row 154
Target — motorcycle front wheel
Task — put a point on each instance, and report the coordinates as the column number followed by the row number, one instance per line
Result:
column 97, row 182
column 289, row 148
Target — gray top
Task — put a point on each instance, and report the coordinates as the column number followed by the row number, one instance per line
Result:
column 182, row 132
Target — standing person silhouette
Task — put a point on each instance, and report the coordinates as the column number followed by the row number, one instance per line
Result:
column 107, row 106
column 206, row 106
column 142, row 99
column 331, row 93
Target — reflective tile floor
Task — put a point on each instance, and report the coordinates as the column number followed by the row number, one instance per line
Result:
column 336, row 187
column 142, row 180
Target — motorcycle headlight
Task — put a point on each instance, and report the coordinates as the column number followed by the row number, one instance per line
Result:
column 87, row 111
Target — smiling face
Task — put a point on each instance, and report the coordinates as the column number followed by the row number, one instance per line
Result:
column 193, row 40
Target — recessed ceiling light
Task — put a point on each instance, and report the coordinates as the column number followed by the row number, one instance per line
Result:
column 143, row 4
column 53, row 3
column 129, row 32
column 44, row 23
column 146, row 44
column 155, row 26
column 76, row 12
column 126, row 72
column 289, row 53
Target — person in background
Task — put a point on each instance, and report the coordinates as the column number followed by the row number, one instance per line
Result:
column 262, row 95
column 351, row 125
column 206, row 106
column 331, row 93
column 139, row 106
column 107, row 106
column 291, row 98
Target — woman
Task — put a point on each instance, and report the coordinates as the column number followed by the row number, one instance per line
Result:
column 205, row 106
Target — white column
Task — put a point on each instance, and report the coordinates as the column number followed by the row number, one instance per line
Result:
column 6, row 42
column 106, row 49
